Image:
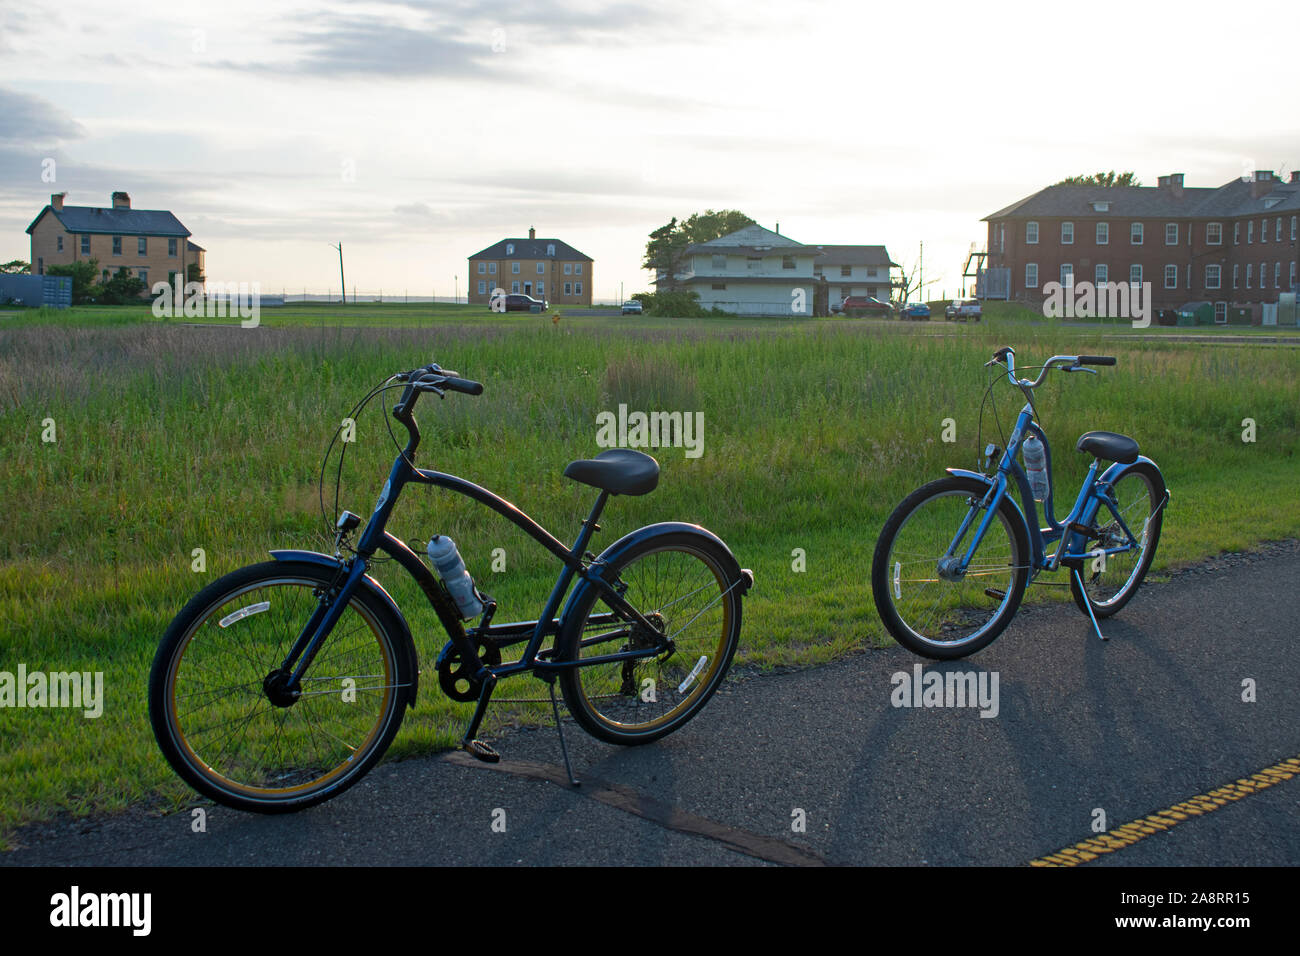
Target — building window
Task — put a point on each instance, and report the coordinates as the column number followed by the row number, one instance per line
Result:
column 1103, row 233
column 568, row 288
column 550, row 248
column 510, row 248
column 787, row 262
column 117, row 245
column 1100, row 273
column 142, row 246
column 568, row 270
column 719, row 286
column 1031, row 275
column 482, row 286
column 1278, row 235
column 1135, row 275
column 1263, row 230
column 541, row 289
column 514, row 268
column 1220, row 313
column 59, row 244
column 1171, row 277
column 541, row 269
column 492, row 268
column 1067, row 233
column 719, row 263
column 85, row 243
column 1236, row 233
column 171, row 248
column 1293, row 276
column 1293, row 218
column 1214, row 233
column 482, row 268
column 1171, row 234
column 40, row 267
column 1250, row 269
column 1135, row 234
column 1031, row 233
column 1067, row 274
column 1236, row 272
column 577, row 268
column 1250, row 232
column 144, row 277
column 1212, row 277
column 577, row 288
column 514, row 286
column 1277, row 275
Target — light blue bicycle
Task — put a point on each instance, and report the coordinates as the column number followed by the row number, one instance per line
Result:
column 953, row 560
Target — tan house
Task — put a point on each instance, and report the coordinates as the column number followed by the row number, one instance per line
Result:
column 151, row 244
column 543, row 268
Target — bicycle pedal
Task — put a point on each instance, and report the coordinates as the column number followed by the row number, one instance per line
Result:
column 996, row 593
column 481, row 751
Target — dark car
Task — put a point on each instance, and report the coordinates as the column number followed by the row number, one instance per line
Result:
column 516, row 302
column 916, row 311
column 963, row 310
column 865, row 305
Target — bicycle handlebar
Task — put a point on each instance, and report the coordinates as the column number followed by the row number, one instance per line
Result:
column 1069, row 362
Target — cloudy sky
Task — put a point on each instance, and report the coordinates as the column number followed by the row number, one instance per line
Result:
column 418, row 133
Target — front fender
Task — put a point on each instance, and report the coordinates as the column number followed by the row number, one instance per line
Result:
column 986, row 480
column 375, row 590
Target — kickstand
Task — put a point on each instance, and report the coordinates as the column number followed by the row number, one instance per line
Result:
column 1087, row 604
column 568, row 767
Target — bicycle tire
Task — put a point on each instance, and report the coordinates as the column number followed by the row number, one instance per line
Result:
column 1144, row 502
column 255, row 755
column 636, row 702
column 940, row 618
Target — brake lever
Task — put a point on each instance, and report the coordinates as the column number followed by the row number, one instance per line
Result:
column 1080, row 368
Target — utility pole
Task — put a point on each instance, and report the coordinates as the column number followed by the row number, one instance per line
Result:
column 920, row 268
column 342, row 285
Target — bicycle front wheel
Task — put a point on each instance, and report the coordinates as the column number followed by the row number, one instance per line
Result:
column 226, row 727
column 925, row 604
column 681, row 584
column 1110, row 580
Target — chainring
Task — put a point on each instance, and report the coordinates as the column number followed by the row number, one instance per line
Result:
column 455, row 673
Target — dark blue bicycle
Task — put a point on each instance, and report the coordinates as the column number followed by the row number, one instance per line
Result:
column 953, row 560
column 281, row 684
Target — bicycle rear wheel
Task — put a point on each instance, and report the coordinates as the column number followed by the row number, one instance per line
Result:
column 927, row 608
column 1109, row 582
column 680, row 582
column 220, row 719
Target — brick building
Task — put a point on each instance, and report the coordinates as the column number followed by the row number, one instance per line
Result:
column 543, row 268
column 1234, row 245
column 151, row 244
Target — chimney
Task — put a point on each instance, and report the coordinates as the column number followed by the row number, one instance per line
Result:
column 1261, row 183
column 56, row 201
column 121, row 201
column 1176, row 185
column 1295, row 175
column 1162, row 182
column 778, row 229
column 532, row 233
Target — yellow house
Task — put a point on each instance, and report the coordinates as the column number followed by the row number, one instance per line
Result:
column 151, row 244
column 543, row 268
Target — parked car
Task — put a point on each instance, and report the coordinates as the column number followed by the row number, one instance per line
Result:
column 516, row 302
column 963, row 309
column 916, row 311
column 632, row 307
column 865, row 305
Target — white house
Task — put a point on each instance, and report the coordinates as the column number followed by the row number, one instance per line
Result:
column 756, row 271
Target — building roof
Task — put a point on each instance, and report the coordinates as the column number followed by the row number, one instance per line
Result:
column 1153, row 202
column 115, row 221
column 854, row 256
column 531, row 249
column 752, row 239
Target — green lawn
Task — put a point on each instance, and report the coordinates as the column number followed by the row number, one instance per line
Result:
column 172, row 437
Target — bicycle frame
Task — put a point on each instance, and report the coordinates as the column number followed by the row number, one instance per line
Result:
column 374, row 537
column 1067, row 534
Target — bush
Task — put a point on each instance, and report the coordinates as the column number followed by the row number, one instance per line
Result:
column 684, row 305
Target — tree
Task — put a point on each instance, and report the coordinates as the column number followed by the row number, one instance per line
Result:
column 83, row 274
column 16, row 267
column 1102, row 179
column 667, row 246
column 907, row 284
column 192, row 273
column 120, row 289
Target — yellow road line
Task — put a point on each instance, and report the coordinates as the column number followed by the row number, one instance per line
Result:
column 1130, row 833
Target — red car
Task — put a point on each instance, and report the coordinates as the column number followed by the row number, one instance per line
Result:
column 865, row 305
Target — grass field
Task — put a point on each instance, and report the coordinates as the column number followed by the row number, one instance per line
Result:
column 171, row 438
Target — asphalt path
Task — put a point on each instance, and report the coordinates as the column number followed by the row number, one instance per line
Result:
column 818, row 766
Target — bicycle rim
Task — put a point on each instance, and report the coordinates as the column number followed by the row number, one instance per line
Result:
column 1109, row 579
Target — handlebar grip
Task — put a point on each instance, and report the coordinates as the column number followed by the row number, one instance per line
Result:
column 1096, row 360
column 464, row 385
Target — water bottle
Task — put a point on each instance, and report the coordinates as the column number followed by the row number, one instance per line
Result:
column 446, row 560
column 1036, row 466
